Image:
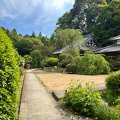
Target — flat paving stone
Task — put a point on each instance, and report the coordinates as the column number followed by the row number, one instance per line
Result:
column 35, row 103
column 59, row 94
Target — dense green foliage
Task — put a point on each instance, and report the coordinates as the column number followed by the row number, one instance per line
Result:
column 113, row 82
column 71, row 68
column 109, row 96
column 50, row 62
column 36, row 58
column 104, row 112
column 82, row 99
column 28, row 59
column 9, row 79
column 87, row 100
column 60, row 38
column 65, row 59
column 101, row 17
column 92, row 64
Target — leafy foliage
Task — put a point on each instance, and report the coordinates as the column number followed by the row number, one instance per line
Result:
column 71, row 68
column 109, row 96
column 65, row 59
column 113, row 82
column 82, row 99
column 36, row 58
column 92, row 64
column 28, row 59
column 61, row 38
column 9, row 79
column 49, row 62
column 104, row 112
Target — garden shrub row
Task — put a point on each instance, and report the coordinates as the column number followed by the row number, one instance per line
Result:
column 9, row 79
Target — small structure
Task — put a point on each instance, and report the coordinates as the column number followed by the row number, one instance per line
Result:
column 88, row 44
column 112, row 51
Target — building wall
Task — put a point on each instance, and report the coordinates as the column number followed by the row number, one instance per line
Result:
column 118, row 41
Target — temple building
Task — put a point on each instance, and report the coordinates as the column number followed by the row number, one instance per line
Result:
column 89, row 43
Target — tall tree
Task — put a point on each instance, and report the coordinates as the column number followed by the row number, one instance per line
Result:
column 33, row 35
column 65, row 37
column 108, row 23
column 64, row 21
column 36, row 58
column 83, row 14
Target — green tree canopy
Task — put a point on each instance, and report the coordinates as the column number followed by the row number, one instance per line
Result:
column 65, row 37
column 36, row 58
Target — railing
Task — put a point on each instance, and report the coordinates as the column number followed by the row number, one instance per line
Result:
column 51, row 69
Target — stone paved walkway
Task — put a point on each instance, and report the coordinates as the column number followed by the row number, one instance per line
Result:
column 35, row 103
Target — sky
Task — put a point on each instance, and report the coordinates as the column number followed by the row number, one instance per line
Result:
column 27, row 16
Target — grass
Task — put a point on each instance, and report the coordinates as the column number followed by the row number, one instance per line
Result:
column 61, row 81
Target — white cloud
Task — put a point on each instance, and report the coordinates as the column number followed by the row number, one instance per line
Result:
column 25, row 8
column 33, row 14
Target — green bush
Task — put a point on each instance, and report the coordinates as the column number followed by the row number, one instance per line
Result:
column 9, row 79
column 65, row 59
column 82, row 99
column 36, row 59
column 104, row 112
column 109, row 96
column 50, row 62
column 92, row 64
column 113, row 82
column 71, row 68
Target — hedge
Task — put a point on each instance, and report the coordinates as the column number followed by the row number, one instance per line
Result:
column 9, row 79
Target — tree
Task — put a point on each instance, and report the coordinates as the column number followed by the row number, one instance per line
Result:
column 40, row 34
column 9, row 79
column 33, row 35
column 64, row 21
column 108, row 23
column 26, row 35
column 27, row 45
column 24, row 46
column 66, row 37
column 83, row 14
column 36, row 58
column 65, row 59
column 28, row 59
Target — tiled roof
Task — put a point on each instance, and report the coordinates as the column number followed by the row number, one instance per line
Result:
column 111, row 48
column 115, row 38
column 82, row 44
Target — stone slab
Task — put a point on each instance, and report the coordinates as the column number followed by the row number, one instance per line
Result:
column 59, row 94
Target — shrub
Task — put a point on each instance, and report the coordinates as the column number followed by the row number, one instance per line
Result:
column 82, row 99
column 65, row 59
column 71, row 68
column 113, row 82
column 92, row 64
column 9, row 79
column 109, row 96
column 50, row 62
column 104, row 112
column 36, row 58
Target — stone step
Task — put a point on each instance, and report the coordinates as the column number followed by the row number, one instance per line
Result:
column 59, row 94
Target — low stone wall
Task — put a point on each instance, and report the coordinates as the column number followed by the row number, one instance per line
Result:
column 51, row 69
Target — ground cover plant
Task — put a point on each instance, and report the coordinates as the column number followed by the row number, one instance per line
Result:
column 9, row 79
